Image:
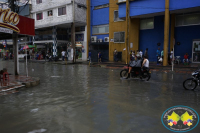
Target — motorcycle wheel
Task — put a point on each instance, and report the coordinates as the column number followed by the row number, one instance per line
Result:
column 124, row 74
column 190, row 84
column 147, row 77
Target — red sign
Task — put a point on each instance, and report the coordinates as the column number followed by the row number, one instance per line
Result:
column 26, row 26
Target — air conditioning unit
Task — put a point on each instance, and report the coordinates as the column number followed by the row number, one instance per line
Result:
column 99, row 40
column 106, row 39
column 93, row 39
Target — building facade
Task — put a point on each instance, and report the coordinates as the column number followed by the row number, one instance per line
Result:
column 144, row 27
column 53, row 20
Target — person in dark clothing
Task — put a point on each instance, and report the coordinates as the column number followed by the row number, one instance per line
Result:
column 99, row 57
column 146, row 53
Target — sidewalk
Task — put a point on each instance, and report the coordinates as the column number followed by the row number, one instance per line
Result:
column 17, row 82
column 120, row 65
column 153, row 65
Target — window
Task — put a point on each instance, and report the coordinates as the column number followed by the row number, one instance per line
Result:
column 147, row 23
column 101, row 6
column 119, row 37
column 188, row 19
column 38, row 1
column 50, row 13
column 116, row 16
column 121, row 0
column 39, row 16
column 61, row 11
column 100, row 29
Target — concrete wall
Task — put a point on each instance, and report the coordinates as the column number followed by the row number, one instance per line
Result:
column 47, row 21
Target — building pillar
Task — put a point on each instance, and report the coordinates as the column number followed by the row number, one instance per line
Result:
column 172, row 31
column 54, row 41
column 88, row 25
column 16, row 60
column 166, row 33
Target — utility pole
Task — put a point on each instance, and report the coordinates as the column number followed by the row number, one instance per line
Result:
column 14, row 38
column 73, row 33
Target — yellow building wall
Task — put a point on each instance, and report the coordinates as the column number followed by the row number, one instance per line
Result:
column 134, row 33
column 120, row 26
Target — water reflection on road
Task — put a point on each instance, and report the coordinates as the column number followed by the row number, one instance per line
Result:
column 82, row 99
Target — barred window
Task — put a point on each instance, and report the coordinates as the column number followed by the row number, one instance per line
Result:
column 119, row 37
column 188, row 19
column 99, row 29
column 147, row 23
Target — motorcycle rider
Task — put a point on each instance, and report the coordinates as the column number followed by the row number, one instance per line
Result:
column 136, row 64
column 145, row 64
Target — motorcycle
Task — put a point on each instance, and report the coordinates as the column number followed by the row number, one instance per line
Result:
column 191, row 83
column 145, row 73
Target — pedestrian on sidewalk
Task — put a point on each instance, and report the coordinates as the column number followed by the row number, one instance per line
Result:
column 158, row 55
column 115, row 55
column 141, row 53
column 89, row 56
column 63, row 55
column 146, row 53
column 162, row 54
column 99, row 57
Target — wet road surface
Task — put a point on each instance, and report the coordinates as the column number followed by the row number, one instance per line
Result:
column 82, row 99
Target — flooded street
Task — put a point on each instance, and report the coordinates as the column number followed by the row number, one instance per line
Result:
column 82, row 99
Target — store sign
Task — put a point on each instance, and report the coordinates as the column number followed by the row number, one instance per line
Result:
column 9, row 19
column 12, row 21
column 5, row 30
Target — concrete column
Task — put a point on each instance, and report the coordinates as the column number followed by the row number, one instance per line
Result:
column 54, row 41
column 166, row 33
column 16, row 60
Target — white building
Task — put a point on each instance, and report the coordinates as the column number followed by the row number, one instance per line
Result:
column 53, row 19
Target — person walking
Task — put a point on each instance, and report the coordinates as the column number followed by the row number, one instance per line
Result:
column 115, row 55
column 89, row 56
column 63, row 55
column 158, row 55
column 146, row 53
column 141, row 53
column 162, row 54
column 99, row 57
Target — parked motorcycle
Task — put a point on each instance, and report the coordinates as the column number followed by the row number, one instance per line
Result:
column 145, row 74
column 191, row 83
